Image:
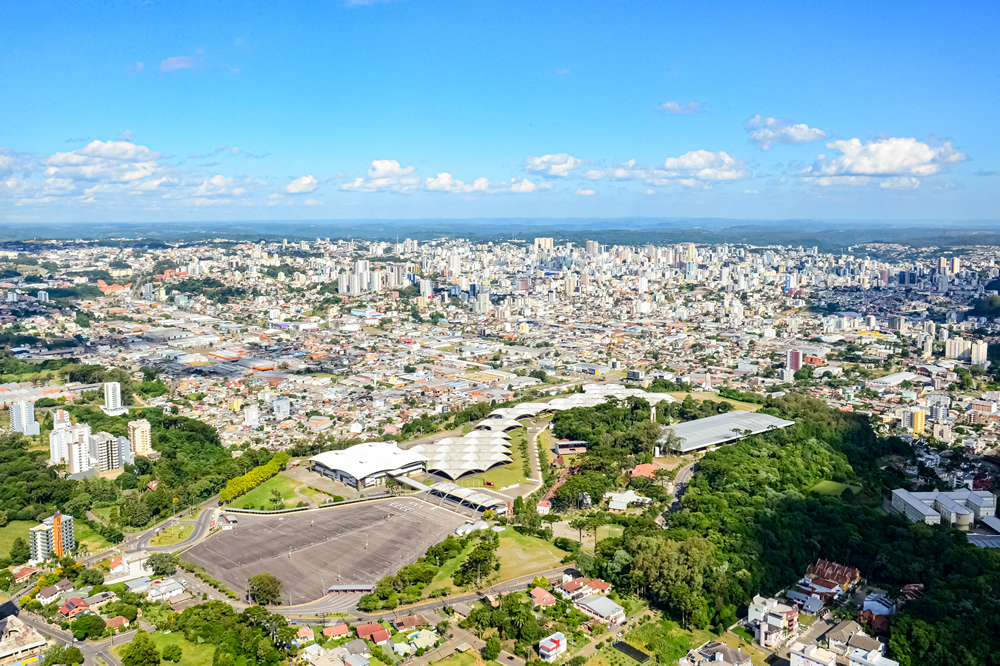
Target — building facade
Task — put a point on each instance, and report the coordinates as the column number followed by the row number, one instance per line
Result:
column 55, row 536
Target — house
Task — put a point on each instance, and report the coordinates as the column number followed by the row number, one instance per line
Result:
column 811, row 655
column 161, row 590
column 336, row 631
column 22, row 574
column 771, row 620
column 838, row 638
column 618, row 502
column 845, row 577
column 139, row 585
column 543, row 598
column 375, row 633
column 870, row 658
column 304, row 635
column 646, row 470
column 51, row 593
column 101, row 598
column 117, row 566
column 578, row 588
column 117, row 622
column 462, row 610
column 409, row 622
column 358, row 647
column 423, row 640
column 716, row 654
column 602, row 608
column 356, row 660
column 73, row 607
column 551, row 647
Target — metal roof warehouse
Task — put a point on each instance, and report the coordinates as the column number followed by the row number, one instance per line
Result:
column 715, row 430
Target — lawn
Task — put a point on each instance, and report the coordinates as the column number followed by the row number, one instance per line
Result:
column 192, row 654
column 833, row 488
column 521, row 555
column 743, row 633
column 261, row 495
column 758, row 657
column 708, row 395
column 84, row 534
column 172, row 535
column 317, row 496
column 12, row 530
column 459, row 659
column 443, row 577
column 510, row 473
column 664, row 639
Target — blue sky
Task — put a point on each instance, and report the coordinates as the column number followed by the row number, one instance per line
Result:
column 414, row 109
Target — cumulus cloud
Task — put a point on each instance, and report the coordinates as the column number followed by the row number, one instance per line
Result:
column 115, row 161
column 312, row 202
column 385, row 176
column 676, row 109
column 302, row 185
column 445, row 182
column 767, row 132
column 177, row 62
column 558, row 165
column 586, row 193
column 698, row 168
column 895, row 163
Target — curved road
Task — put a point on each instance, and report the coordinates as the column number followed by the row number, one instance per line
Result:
column 680, row 485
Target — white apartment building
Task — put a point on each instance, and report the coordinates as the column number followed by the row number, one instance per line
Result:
column 861, row 657
column 113, row 399
column 62, row 436
column 22, row 418
column 811, row 655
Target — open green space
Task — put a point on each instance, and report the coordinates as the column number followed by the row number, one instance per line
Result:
column 521, row 555
column 192, row 654
column 665, row 640
column 459, row 659
column 708, row 395
column 442, row 578
column 84, row 534
column 260, row 497
column 172, row 535
column 833, row 488
column 743, row 633
column 509, row 474
column 12, row 530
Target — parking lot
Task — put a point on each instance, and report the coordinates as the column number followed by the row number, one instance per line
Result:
column 314, row 550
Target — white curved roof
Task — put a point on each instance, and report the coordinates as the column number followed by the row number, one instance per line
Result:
column 486, row 434
column 497, row 424
column 367, row 458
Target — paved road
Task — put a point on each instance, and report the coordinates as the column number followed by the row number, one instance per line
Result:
column 680, row 485
column 201, row 527
column 346, row 603
column 90, row 650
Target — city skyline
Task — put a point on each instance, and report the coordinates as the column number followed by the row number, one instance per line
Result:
column 405, row 110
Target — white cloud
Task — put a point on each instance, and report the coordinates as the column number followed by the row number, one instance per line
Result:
column 177, row 62
column 895, row 163
column 235, row 150
column 385, row 176
column 751, row 191
column 698, row 168
column 115, row 161
column 558, row 165
column 586, row 193
column 219, row 185
column 312, row 202
column 767, row 132
column 676, row 109
column 444, row 182
column 302, row 185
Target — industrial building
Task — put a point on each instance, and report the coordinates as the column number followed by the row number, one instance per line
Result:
column 715, row 430
column 958, row 507
column 368, row 464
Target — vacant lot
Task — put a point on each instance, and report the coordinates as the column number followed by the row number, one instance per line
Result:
column 12, row 530
column 833, row 488
column 521, row 555
column 314, row 550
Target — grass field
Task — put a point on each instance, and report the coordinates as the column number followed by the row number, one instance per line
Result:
column 84, row 534
column 671, row 641
column 12, row 530
column 443, row 577
column 192, row 654
column 172, row 535
column 833, row 488
column 707, row 395
column 521, row 555
column 511, row 473
column 262, row 493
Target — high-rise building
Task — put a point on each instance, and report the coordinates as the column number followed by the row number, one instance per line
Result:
column 593, row 248
column 78, row 457
column 113, row 399
column 140, row 437
column 282, row 407
column 43, row 296
column 108, row 452
column 913, row 420
column 977, row 353
column 62, row 436
column 793, row 359
column 959, row 349
column 22, row 418
column 55, row 536
column 543, row 244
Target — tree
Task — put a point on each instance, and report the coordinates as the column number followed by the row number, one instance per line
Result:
column 19, row 551
column 140, row 652
column 3, row 518
column 670, row 441
column 265, row 589
column 89, row 626
column 172, row 652
column 91, row 577
column 162, row 564
column 61, row 654
column 6, row 579
column 492, row 650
